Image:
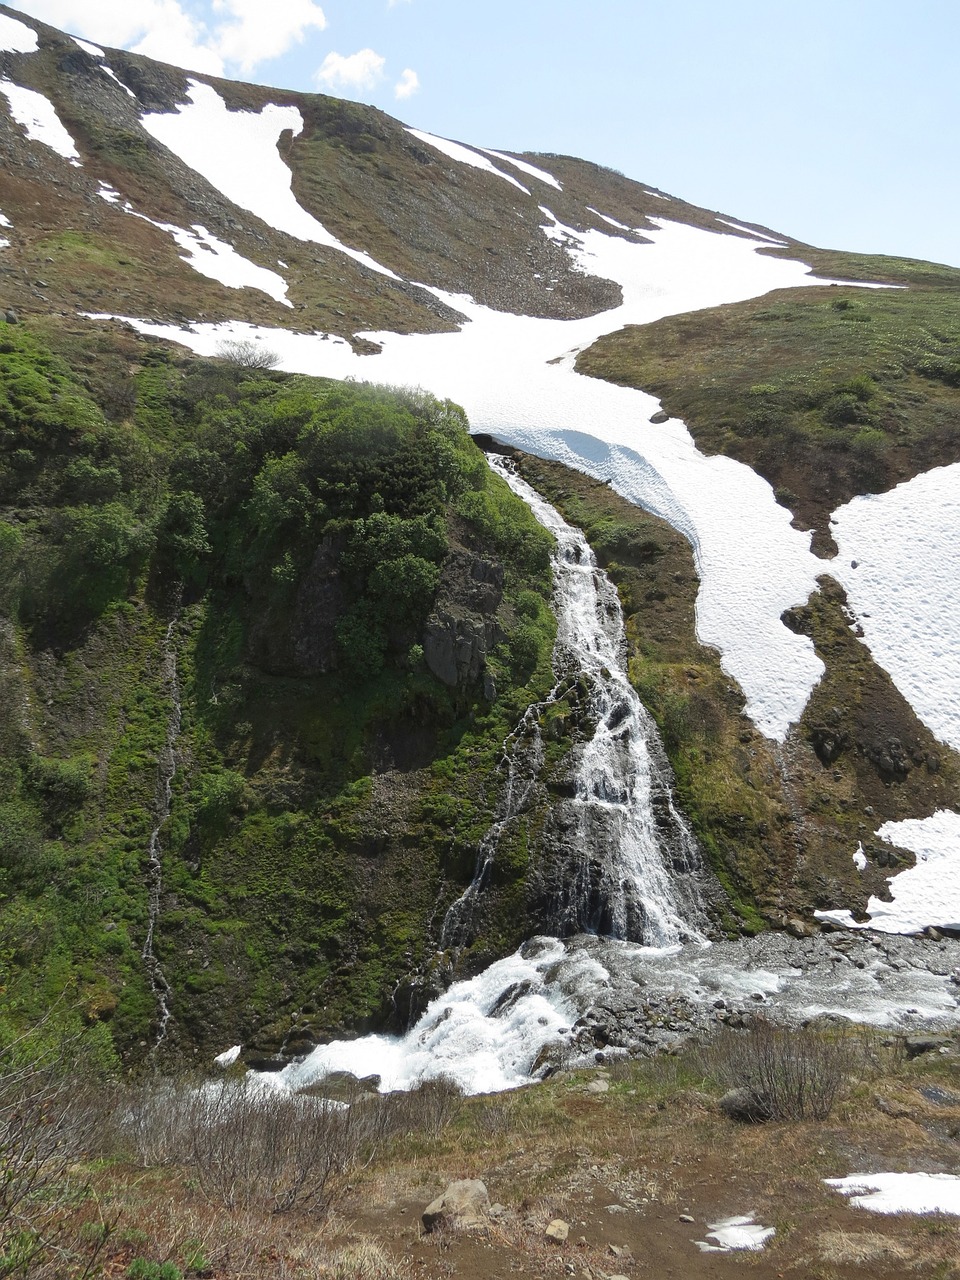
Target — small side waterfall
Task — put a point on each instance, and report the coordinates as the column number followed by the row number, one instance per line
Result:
column 629, row 865
column 521, row 763
column 166, row 772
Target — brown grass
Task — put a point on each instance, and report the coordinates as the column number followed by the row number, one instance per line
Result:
column 655, row 1145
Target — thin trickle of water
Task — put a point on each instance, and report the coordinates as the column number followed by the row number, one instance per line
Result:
column 634, row 862
column 166, row 772
column 521, row 763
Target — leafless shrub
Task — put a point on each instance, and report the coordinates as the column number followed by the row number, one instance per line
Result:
column 493, row 1119
column 247, row 1147
column 247, row 353
column 789, row 1073
column 47, row 1122
column 426, row 1110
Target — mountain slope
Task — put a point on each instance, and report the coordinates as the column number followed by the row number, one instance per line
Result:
column 336, row 768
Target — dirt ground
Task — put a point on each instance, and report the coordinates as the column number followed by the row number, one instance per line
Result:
column 640, row 1181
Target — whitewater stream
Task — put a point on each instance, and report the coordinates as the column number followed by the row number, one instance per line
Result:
column 634, row 971
column 623, row 832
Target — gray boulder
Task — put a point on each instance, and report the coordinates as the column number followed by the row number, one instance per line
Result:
column 744, row 1105
column 464, row 1206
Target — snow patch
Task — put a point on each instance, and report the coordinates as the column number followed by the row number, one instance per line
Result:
column 735, row 1234
column 4, row 221
column 39, row 119
column 525, row 167
column 94, row 50
column 621, row 226
column 17, row 37
column 228, row 1057
column 220, row 261
column 927, row 894
column 899, row 563
column 901, row 1192
column 236, row 151
column 464, row 155
column 116, row 79
column 860, row 858
column 211, row 257
column 757, row 235
column 752, row 563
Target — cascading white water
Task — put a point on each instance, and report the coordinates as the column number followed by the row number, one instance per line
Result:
column 532, row 1010
column 488, row 1032
column 624, row 836
column 154, row 876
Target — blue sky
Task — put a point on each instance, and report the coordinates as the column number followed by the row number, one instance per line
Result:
column 834, row 122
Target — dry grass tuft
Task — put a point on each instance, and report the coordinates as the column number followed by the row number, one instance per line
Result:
column 861, row 1248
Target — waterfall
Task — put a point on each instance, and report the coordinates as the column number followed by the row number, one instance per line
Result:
column 629, row 864
column 629, row 869
column 166, row 771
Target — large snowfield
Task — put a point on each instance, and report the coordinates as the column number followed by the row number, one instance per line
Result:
column 898, row 552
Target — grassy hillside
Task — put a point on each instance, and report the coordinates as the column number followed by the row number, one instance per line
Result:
column 827, row 392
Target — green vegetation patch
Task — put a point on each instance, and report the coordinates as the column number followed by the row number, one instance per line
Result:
column 827, row 392
column 285, row 540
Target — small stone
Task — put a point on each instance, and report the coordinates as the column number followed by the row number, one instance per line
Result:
column 557, row 1230
column 597, row 1086
column 742, row 1105
column 687, row 1217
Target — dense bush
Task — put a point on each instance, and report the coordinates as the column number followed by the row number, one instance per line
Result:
column 784, row 1073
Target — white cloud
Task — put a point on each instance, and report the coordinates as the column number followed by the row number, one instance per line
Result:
column 179, row 39
column 240, row 34
column 115, row 22
column 407, row 85
column 158, row 28
column 360, row 70
column 256, row 31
